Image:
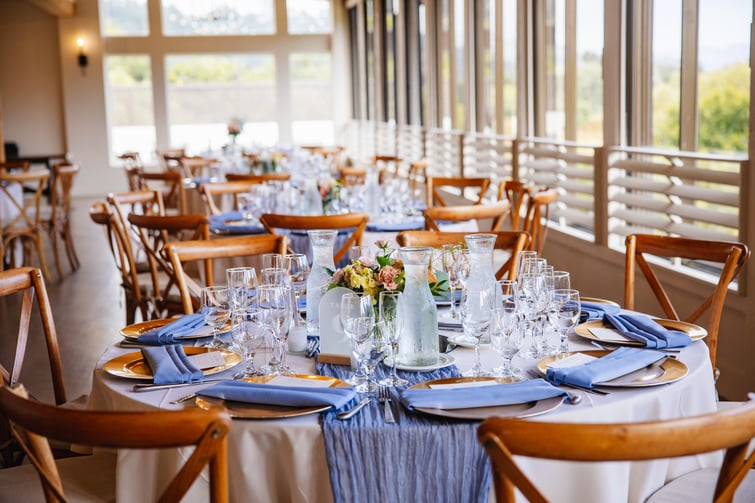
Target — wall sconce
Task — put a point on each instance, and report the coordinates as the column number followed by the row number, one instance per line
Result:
column 83, row 59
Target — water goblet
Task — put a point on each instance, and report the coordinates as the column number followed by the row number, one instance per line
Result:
column 448, row 263
column 274, row 276
column 521, row 257
column 358, row 252
column 506, row 335
column 249, row 337
column 245, row 204
column 272, row 261
column 242, row 284
column 298, row 270
column 463, row 267
column 358, row 320
column 274, row 303
column 564, row 314
column 476, row 315
column 216, row 310
column 389, row 327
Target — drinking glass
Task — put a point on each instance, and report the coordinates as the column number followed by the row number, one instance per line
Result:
column 357, row 252
column 521, row 257
column 298, row 270
column 242, row 284
column 274, row 276
column 448, row 263
column 245, row 204
column 272, row 261
column 389, row 327
column 463, row 266
column 216, row 309
column 506, row 335
column 358, row 320
column 532, row 300
column 274, row 303
column 249, row 336
column 476, row 314
column 564, row 314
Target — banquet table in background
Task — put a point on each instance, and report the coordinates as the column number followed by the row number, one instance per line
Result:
column 284, row 459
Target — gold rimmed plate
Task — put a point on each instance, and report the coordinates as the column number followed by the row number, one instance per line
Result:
column 518, row 410
column 244, row 410
column 584, row 330
column 664, row 371
column 133, row 332
column 133, row 366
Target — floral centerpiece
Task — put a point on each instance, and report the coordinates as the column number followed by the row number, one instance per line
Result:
column 330, row 192
column 234, row 127
column 382, row 273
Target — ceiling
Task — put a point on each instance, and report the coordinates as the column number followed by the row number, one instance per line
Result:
column 58, row 8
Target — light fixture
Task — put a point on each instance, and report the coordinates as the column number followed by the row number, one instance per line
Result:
column 83, row 59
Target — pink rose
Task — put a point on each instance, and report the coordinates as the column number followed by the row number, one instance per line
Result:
column 337, row 276
column 387, row 276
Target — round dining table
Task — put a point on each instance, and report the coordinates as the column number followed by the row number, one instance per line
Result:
column 285, row 459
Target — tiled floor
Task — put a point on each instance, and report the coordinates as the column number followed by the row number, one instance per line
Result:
column 88, row 311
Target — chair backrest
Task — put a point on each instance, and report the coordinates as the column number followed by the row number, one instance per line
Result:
column 121, row 249
column 496, row 212
column 732, row 255
column 536, row 219
column 196, row 166
column 417, row 176
column 261, row 178
column 517, row 193
column 212, row 193
column 353, row 224
column 133, row 167
column 15, row 166
column 181, row 253
column 510, row 241
column 730, row 429
column 171, row 184
column 436, row 186
column 35, row 423
column 63, row 174
column 351, row 175
column 170, row 158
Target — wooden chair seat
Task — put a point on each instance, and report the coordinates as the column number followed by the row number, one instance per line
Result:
column 495, row 213
column 206, row 430
column 511, row 242
column 353, row 224
column 731, row 255
column 730, row 430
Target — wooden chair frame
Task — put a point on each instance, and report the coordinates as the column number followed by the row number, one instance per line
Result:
column 496, row 212
column 59, row 223
column 356, row 221
column 732, row 255
column 170, row 184
column 510, row 241
column 180, row 253
column 434, row 186
column 261, row 178
column 209, row 192
column 517, row 193
column 730, row 429
column 537, row 217
column 34, row 423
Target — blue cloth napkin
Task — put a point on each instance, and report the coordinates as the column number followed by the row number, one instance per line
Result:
column 240, row 391
column 365, row 451
column 615, row 364
column 404, row 225
column 169, row 364
column 167, row 334
column 642, row 328
column 596, row 310
column 221, row 223
column 483, row 396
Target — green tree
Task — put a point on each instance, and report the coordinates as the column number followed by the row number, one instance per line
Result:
column 723, row 109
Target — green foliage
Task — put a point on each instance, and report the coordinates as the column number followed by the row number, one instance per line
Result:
column 129, row 70
column 724, row 103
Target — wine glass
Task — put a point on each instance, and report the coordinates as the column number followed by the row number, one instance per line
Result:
column 274, row 276
column 274, row 302
column 476, row 315
column 389, row 327
column 249, row 337
column 463, row 266
column 298, row 270
column 372, row 351
column 272, row 261
column 358, row 320
column 357, row 252
column 506, row 335
column 521, row 257
column 242, row 284
column 448, row 263
column 216, row 309
column 532, row 300
column 564, row 314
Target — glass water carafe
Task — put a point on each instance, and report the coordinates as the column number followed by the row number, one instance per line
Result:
column 418, row 316
column 323, row 243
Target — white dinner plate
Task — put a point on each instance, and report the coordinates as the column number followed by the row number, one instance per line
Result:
column 443, row 361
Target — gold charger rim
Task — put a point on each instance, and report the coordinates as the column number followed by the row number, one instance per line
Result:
column 245, row 410
column 125, row 364
column 134, row 330
column 673, row 370
column 695, row 332
column 521, row 410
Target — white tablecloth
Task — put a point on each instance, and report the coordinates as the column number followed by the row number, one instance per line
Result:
column 284, row 460
column 9, row 211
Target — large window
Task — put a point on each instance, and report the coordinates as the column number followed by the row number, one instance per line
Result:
column 666, row 79
column 309, row 16
column 218, row 17
column 312, row 104
column 124, row 18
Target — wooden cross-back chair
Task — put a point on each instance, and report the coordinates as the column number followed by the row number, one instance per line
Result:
column 133, row 167
column 34, row 424
column 15, row 166
column 517, row 193
column 261, row 178
column 170, row 183
column 352, row 224
column 156, row 231
column 58, row 221
column 182, row 253
column 25, row 226
column 436, row 216
column 135, row 293
column 438, row 194
column 731, row 255
column 196, row 166
column 730, row 430
column 212, row 194
column 536, row 219
column 511, row 242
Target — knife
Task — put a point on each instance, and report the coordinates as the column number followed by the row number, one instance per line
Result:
column 348, row 413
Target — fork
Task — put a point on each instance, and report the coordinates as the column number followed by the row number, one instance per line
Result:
column 384, row 395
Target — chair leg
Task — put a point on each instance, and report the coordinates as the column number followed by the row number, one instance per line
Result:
column 54, row 238
column 41, row 253
column 73, row 258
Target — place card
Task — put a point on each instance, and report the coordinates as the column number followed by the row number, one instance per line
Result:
column 300, row 383
column 573, row 360
column 208, row 360
column 609, row 335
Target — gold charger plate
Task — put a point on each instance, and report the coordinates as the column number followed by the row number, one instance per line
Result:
column 695, row 332
column 137, row 329
column 528, row 409
column 133, row 366
column 244, row 410
column 664, row 371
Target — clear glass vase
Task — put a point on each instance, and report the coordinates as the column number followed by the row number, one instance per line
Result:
column 418, row 315
column 323, row 243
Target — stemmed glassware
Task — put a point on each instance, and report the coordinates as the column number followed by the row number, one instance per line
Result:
column 476, row 315
column 249, row 337
column 274, row 302
column 298, row 270
column 242, row 284
column 463, row 266
column 216, row 309
column 532, row 300
column 450, row 267
column 389, row 326
column 564, row 314
column 506, row 335
column 358, row 320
